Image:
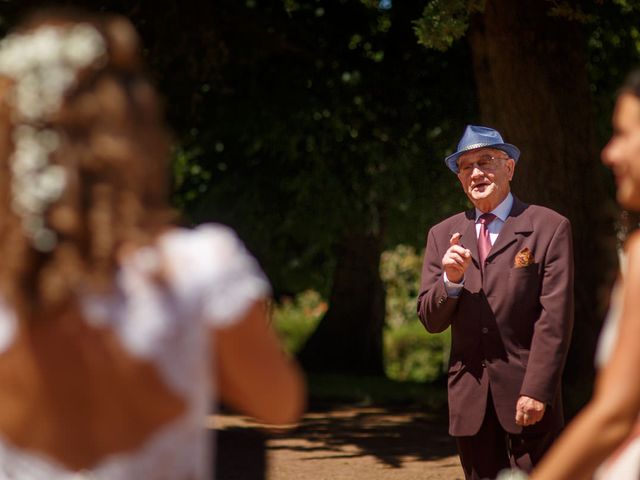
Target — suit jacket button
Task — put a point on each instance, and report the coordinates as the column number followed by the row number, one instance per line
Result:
column 485, row 330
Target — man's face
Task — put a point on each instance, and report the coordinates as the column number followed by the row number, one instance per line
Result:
column 485, row 174
column 622, row 153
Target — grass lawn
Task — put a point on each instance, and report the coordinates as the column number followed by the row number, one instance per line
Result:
column 335, row 388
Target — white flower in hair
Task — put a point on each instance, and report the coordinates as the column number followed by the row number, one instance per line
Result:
column 43, row 65
column 84, row 46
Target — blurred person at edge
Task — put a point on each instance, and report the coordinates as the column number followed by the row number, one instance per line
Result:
column 603, row 441
column 116, row 328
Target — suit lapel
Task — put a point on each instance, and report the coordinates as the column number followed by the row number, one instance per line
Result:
column 517, row 222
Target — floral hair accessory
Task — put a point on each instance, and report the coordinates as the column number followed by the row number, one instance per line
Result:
column 43, row 65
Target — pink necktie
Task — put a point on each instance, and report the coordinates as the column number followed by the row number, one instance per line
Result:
column 484, row 242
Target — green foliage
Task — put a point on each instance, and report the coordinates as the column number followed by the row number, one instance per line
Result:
column 445, row 21
column 295, row 318
column 187, row 169
column 613, row 49
column 400, row 271
column 571, row 11
column 371, row 3
column 627, row 6
column 412, row 354
column 290, row 5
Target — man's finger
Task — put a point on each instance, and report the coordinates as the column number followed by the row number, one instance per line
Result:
column 519, row 417
column 537, row 417
column 533, row 419
column 463, row 252
column 455, row 271
column 529, row 416
column 527, row 419
column 457, row 258
column 455, row 238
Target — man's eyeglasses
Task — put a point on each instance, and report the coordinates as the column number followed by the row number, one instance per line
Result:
column 483, row 162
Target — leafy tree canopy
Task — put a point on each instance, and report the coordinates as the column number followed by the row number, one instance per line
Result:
column 330, row 117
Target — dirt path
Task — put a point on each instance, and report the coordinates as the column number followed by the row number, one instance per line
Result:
column 339, row 444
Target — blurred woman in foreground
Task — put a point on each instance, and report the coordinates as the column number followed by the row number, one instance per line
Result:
column 116, row 328
column 605, row 437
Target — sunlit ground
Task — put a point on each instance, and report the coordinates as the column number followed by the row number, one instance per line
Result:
column 395, row 443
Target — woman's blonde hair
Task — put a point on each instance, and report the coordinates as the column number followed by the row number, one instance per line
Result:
column 113, row 149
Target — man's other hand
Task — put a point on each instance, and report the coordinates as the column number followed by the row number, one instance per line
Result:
column 529, row 411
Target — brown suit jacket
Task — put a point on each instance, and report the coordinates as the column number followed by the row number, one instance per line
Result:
column 511, row 328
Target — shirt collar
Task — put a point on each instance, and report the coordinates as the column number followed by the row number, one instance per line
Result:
column 502, row 210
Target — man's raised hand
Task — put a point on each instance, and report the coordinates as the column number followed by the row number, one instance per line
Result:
column 456, row 259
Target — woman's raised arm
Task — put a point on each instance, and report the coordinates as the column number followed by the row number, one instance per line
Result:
column 253, row 374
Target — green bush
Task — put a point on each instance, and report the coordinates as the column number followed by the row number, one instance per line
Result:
column 295, row 318
column 400, row 271
column 411, row 354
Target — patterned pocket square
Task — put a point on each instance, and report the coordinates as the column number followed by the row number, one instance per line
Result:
column 523, row 258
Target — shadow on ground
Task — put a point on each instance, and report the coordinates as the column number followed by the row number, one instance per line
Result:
column 392, row 435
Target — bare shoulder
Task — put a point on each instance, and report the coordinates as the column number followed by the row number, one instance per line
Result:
column 631, row 267
column 632, row 245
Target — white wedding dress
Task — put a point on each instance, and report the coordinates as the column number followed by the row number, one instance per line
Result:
column 212, row 281
column 625, row 464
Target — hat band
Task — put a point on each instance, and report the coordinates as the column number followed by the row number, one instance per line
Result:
column 475, row 145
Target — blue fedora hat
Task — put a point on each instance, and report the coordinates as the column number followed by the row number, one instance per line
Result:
column 476, row 136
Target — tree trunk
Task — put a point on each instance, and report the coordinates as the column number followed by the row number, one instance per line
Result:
column 349, row 337
column 532, row 83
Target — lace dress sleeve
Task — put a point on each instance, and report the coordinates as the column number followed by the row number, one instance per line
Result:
column 213, row 269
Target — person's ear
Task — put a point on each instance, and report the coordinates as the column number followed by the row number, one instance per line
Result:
column 511, row 165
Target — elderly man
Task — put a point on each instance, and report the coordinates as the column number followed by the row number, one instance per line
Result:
column 501, row 275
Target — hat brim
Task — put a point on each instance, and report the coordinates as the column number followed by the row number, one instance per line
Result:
column 511, row 150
